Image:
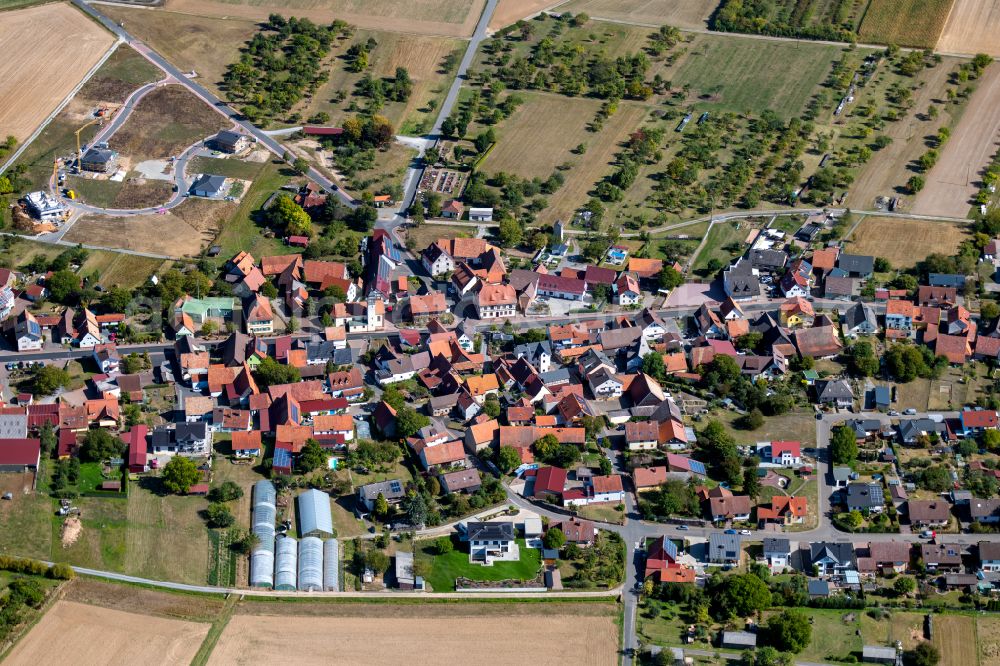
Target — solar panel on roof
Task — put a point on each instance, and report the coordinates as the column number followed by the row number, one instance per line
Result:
column 670, row 548
column 282, row 458
column 697, row 467
column 395, row 487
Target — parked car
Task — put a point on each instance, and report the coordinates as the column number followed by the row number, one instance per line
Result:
column 682, row 527
column 746, row 532
column 910, row 412
column 730, row 532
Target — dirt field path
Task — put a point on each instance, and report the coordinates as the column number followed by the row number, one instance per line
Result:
column 886, row 171
column 37, row 71
column 972, row 27
column 94, row 635
column 953, row 181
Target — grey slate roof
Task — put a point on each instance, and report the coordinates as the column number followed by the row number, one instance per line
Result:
column 477, row 531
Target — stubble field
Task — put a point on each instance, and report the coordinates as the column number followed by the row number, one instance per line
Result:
column 972, row 27
column 953, row 182
column 452, row 18
column 95, row 635
column 905, row 242
column 916, row 23
column 678, row 13
column 481, row 635
column 512, row 11
column 37, row 70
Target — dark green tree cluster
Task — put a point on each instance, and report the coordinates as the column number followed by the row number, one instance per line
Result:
column 766, row 17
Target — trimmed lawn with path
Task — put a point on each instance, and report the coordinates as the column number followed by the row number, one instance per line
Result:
column 444, row 569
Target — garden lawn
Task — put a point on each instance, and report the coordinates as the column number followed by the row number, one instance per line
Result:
column 446, row 568
column 833, row 638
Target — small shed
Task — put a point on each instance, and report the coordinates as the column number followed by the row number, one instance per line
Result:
column 876, row 654
column 481, row 214
column 739, row 640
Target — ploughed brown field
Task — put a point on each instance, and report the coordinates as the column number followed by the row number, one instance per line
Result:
column 72, row 632
column 426, row 635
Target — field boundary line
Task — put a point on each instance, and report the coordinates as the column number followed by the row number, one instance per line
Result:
column 61, row 106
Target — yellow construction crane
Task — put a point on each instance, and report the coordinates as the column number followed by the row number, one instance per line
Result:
column 79, row 152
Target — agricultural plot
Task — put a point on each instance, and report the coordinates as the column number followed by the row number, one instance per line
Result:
column 194, row 223
column 889, row 168
column 102, row 635
column 454, row 18
column 971, row 28
column 735, row 92
column 429, row 61
column 567, row 634
column 678, row 13
column 38, row 71
column 872, row 146
column 739, row 74
column 512, row 11
column 954, row 635
column 954, row 181
column 542, row 134
column 916, row 23
column 192, row 43
column 905, row 242
column 166, row 537
column 988, row 636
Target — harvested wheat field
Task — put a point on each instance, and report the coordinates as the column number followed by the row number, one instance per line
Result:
column 94, row 635
column 449, row 18
column 555, row 637
column 905, row 242
column 37, row 70
column 972, row 27
column 192, row 225
column 954, row 181
column 678, row 13
column 512, row 11
column 916, row 23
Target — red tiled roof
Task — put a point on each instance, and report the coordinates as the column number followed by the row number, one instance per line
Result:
column 550, row 480
column 247, row 441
